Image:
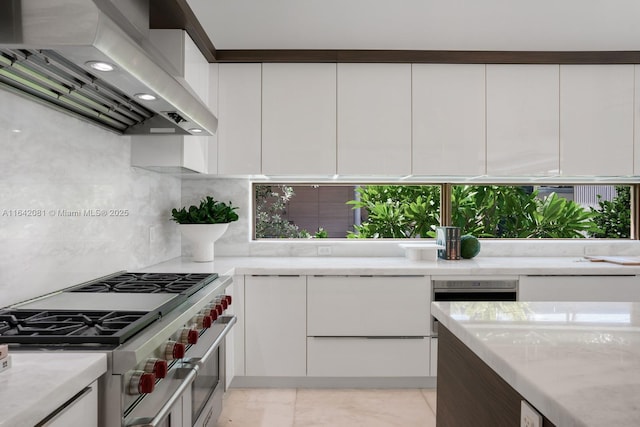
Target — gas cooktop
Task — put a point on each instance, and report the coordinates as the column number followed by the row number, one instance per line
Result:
column 148, row 283
column 59, row 327
column 105, row 311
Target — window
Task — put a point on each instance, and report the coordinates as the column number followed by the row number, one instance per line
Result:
column 412, row 210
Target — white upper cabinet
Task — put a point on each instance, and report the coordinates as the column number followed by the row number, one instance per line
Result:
column 239, row 119
column 448, row 119
column 522, row 120
column 596, row 112
column 636, row 120
column 374, row 119
column 298, row 119
column 212, row 157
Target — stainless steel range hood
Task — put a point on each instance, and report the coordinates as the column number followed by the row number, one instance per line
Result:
column 47, row 46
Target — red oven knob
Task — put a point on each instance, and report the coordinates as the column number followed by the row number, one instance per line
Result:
column 203, row 321
column 219, row 309
column 224, row 303
column 228, row 298
column 189, row 336
column 157, row 367
column 141, row 382
column 174, row 350
column 213, row 314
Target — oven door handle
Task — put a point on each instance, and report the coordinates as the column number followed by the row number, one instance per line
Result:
column 197, row 362
column 168, row 405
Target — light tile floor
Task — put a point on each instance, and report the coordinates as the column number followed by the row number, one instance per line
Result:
column 328, row 407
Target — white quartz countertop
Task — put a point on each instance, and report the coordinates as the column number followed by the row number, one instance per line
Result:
column 38, row 383
column 394, row 266
column 577, row 363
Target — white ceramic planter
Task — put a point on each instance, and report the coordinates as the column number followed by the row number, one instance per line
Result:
column 202, row 238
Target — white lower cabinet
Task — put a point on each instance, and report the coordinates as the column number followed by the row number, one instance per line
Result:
column 275, row 326
column 368, row 357
column 81, row 411
column 579, row 288
column 368, row 306
column 433, row 369
column 363, row 326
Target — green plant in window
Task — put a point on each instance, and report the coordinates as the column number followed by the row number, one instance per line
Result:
column 271, row 202
column 614, row 217
column 397, row 211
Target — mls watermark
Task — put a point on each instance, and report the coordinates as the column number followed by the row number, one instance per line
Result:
column 64, row 212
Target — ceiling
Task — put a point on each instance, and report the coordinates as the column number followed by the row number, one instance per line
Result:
column 502, row 25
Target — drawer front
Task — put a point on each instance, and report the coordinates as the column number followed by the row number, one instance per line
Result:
column 368, row 357
column 368, row 306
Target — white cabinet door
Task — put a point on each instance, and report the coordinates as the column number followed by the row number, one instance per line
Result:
column 83, row 411
column 212, row 157
column 239, row 118
column 522, row 119
column 596, row 116
column 374, row 119
column 448, row 119
column 433, row 368
column 298, row 119
column 275, row 326
column 368, row 306
column 366, row 357
column 579, row 288
column 636, row 119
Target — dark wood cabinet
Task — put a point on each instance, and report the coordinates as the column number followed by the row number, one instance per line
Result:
column 470, row 393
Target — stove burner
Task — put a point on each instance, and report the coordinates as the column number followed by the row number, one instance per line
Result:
column 149, row 283
column 71, row 327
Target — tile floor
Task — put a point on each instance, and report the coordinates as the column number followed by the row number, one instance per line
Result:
column 328, row 407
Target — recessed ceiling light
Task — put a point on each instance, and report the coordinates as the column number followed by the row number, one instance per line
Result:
column 145, row 96
column 101, row 66
column 195, row 130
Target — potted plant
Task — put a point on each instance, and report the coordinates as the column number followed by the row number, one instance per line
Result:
column 204, row 224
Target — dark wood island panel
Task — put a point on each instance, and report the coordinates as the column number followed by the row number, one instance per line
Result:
column 470, row 392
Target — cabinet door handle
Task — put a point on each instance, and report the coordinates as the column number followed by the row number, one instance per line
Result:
column 65, row 407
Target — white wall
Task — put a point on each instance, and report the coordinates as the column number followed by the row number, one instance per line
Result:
column 52, row 162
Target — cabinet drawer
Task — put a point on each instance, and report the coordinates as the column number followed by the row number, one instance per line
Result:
column 368, row 306
column 368, row 357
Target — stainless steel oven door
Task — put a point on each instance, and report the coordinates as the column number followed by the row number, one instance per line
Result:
column 208, row 387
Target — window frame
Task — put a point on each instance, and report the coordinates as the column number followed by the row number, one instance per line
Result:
column 445, row 201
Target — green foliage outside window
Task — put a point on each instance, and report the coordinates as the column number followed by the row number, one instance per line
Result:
column 614, row 217
column 485, row 211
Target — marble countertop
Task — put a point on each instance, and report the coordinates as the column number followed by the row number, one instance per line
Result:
column 485, row 266
column 577, row 363
column 38, row 383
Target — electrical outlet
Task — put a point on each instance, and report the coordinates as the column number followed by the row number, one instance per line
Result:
column 529, row 417
column 324, row 250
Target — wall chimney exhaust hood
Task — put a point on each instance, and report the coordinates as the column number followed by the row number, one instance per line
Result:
column 69, row 55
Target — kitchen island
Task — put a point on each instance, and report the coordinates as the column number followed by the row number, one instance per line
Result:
column 576, row 363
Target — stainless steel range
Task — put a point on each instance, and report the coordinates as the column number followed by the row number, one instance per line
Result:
column 163, row 335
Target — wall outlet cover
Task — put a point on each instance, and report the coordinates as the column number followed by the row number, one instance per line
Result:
column 529, row 417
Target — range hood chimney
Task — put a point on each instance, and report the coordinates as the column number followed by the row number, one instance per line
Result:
column 58, row 53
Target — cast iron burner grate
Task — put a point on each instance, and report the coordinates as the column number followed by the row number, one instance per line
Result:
column 71, row 326
column 149, row 283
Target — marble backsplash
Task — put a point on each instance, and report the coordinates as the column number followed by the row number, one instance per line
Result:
column 71, row 206
column 238, row 242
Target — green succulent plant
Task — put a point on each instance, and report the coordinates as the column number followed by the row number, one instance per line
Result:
column 210, row 211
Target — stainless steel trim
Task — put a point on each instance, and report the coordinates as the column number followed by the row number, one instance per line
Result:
column 78, row 31
column 168, row 405
column 197, row 362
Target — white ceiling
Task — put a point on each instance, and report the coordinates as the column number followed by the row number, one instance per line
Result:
column 421, row 24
